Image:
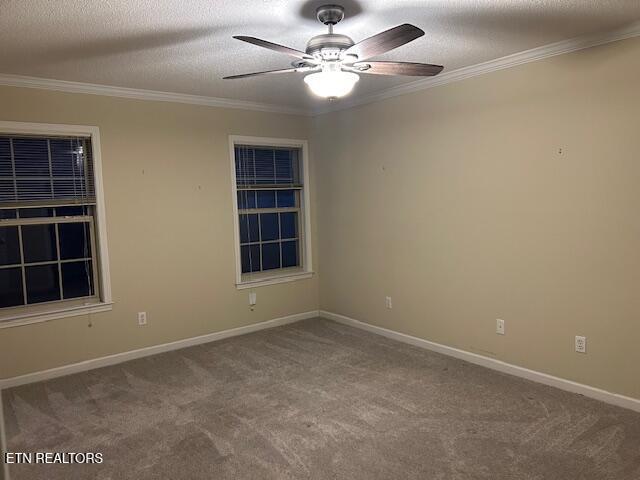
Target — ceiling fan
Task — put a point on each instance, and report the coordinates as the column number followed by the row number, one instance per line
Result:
column 334, row 61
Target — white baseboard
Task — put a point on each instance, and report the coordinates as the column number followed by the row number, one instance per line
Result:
column 153, row 350
column 561, row 383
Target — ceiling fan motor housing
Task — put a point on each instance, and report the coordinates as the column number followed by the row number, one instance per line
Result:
column 328, row 45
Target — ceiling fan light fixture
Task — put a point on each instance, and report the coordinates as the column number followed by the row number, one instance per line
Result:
column 336, row 60
column 331, row 83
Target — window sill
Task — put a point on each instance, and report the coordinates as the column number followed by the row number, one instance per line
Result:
column 38, row 317
column 274, row 279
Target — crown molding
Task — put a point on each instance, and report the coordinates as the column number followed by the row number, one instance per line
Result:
column 141, row 94
column 527, row 56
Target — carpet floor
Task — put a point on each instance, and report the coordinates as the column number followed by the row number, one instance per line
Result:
column 316, row 400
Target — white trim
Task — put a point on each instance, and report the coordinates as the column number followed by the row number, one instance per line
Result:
column 101, row 240
column 307, row 260
column 492, row 363
column 274, row 280
column 3, row 443
column 527, row 56
column 101, row 220
column 153, row 350
column 532, row 55
column 141, row 94
column 47, row 315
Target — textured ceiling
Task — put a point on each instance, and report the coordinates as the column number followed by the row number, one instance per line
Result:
column 185, row 46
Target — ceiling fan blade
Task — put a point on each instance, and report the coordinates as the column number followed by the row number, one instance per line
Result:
column 267, row 72
column 275, row 47
column 385, row 41
column 398, row 68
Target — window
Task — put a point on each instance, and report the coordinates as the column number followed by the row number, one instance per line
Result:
column 272, row 212
column 52, row 260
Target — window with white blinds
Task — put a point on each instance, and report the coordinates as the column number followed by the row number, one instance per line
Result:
column 45, row 170
column 271, row 210
column 48, row 245
column 261, row 167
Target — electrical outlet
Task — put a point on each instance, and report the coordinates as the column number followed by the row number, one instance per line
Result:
column 387, row 302
column 500, row 326
column 142, row 318
column 581, row 344
column 252, row 298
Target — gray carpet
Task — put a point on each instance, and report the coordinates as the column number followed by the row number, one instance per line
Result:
column 316, row 400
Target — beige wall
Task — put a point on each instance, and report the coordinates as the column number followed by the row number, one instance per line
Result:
column 457, row 202
column 170, row 227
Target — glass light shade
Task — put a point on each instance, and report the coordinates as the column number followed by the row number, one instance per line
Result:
column 331, row 84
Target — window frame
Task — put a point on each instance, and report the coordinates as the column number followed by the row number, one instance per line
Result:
column 103, row 301
column 270, row 277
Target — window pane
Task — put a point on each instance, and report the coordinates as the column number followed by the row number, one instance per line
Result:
column 35, row 212
column 34, row 189
column 43, row 284
column 63, row 157
column 73, row 211
column 7, row 190
column 46, row 168
column 246, row 199
column 266, row 165
column 265, row 168
column 11, row 287
column 269, row 226
column 245, row 171
column 9, row 246
column 289, row 254
column 284, row 159
column 77, row 279
column 6, row 168
column 289, row 225
column 31, row 157
column 75, row 240
column 248, row 228
column 286, row 198
column 266, row 198
column 74, row 188
column 270, row 256
column 7, row 214
column 39, row 243
column 250, row 258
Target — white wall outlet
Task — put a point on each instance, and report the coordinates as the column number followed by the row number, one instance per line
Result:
column 252, row 298
column 387, row 302
column 142, row 318
column 581, row 344
column 500, row 326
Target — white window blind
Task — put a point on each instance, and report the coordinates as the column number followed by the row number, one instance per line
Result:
column 45, row 170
